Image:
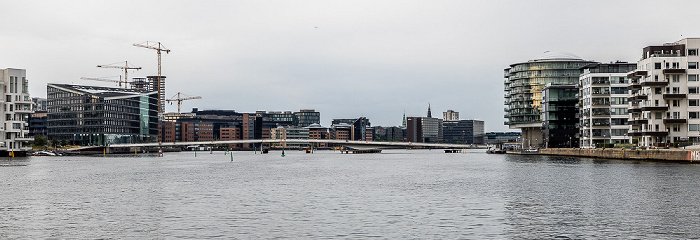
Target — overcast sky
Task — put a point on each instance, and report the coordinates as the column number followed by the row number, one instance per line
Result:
column 343, row 58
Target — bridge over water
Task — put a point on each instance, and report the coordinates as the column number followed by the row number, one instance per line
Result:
column 360, row 144
column 345, row 143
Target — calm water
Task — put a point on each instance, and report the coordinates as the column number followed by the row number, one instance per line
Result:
column 398, row 194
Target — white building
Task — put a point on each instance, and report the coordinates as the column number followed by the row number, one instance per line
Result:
column 450, row 115
column 603, row 103
column 666, row 95
column 17, row 106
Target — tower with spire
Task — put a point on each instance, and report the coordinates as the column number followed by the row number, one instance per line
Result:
column 404, row 119
column 429, row 114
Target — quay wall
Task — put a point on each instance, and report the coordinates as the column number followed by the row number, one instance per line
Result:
column 676, row 155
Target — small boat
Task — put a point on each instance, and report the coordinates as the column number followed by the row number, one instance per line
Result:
column 44, row 153
column 495, row 151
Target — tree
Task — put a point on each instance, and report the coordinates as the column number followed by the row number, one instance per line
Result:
column 40, row 141
column 63, row 142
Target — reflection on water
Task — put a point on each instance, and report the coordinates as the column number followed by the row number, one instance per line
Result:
column 397, row 194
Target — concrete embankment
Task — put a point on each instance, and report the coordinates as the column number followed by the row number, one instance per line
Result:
column 675, row 155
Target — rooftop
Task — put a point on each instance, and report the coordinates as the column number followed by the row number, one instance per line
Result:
column 556, row 56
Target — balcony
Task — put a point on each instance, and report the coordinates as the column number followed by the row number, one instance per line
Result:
column 24, row 139
column 655, row 108
column 636, row 74
column 654, row 83
column 637, row 98
column 675, row 120
column 675, row 95
column 674, row 71
column 656, row 133
column 634, row 86
column 635, row 134
column 634, row 110
column 638, row 122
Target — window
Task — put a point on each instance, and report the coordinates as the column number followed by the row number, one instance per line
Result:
column 676, row 78
column 676, row 103
column 619, row 111
column 692, row 90
column 657, row 66
column 692, row 127
column 676, row 89
column 618, row 90
column 692, row 65
column 692, row 52
column 676, row 128
column 618, row 100
column 693, row 115
column 657, row 90
column 693, row 102
column 658, row 115
column 692, row 78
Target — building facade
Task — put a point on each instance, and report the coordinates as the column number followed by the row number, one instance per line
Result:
column 463, row 131
column 450, row 115
column 523, row 87
column 37, row 124
column 14, row 130
column 424, row 129
column 603, row 103
column 665, row 94
column 39, row 104
column 306, row 117
column 559, row 121
column 502, row 137
column 358, row 127
column 88, row 115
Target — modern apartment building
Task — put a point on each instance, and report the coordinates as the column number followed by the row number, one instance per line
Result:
column 523, row 87
column 665, row 95
column 603, row 103
column 17, row 106
column 559, row 122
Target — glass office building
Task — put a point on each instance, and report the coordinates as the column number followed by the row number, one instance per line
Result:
column 89, row 115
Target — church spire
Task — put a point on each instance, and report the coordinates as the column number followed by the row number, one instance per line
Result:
column 404, row 119
column 429, row 114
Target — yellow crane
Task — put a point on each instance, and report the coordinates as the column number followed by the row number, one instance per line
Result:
column 179, row 97
column 126, row 69
column 159, row 48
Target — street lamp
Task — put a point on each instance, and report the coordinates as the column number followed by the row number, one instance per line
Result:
column 570, row 142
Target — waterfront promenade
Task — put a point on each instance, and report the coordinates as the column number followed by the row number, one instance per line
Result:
column 675, row 155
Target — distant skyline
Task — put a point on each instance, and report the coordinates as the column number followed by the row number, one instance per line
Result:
column 345, row 59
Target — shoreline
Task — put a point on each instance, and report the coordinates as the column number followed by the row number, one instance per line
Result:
column 670, row 155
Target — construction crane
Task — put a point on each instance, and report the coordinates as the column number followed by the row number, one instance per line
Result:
column 126, row 69
column 159, row 48
column 179, row 97
column 103, row 79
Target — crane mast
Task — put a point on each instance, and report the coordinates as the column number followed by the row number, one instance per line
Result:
column 159, row 48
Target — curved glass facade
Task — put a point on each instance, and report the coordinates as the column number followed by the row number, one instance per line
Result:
column 525, row 82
